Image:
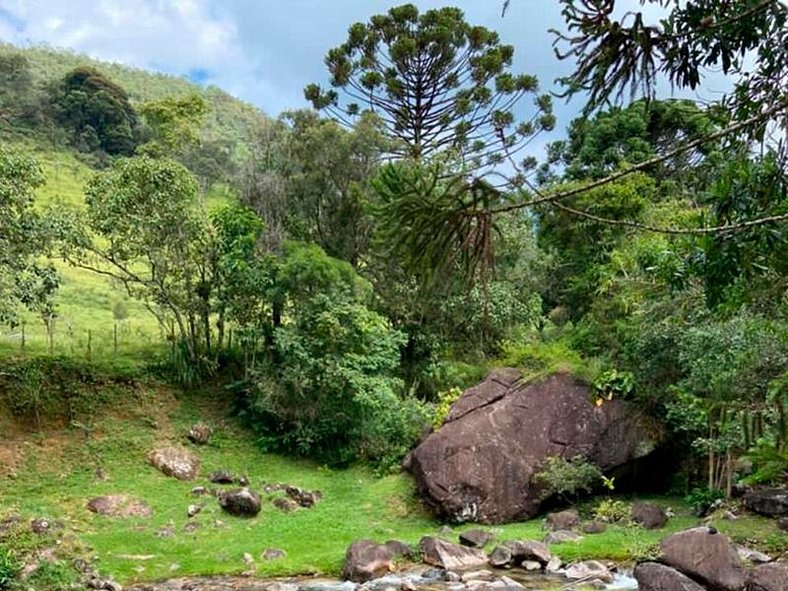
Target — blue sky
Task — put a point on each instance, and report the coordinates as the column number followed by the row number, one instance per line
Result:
column 263, row 51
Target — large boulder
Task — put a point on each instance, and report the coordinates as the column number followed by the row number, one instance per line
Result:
column 446, row 555
column 770, row 577
column 707, row 556
column 365, row 560
column 771, row 502
column 480, row 465
column 652, row 576
column 178, row 462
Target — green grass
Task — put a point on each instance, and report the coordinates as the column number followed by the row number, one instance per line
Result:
column 58, row 478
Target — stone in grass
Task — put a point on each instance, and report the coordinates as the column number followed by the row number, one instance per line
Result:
column 273, row 554
column 200, row 433
column 649, row 515
column 177, row 462
column 443, row 554
column 119, row 505
column 365, row 560
column 222, row 477
column 241, row 502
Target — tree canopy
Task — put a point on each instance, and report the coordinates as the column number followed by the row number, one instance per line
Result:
column 437, row 82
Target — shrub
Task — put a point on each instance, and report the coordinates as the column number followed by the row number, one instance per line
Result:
column 568, row 478
column 613, row 511
column 9, row 568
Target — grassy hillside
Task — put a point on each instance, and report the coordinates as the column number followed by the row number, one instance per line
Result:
column 230, row 119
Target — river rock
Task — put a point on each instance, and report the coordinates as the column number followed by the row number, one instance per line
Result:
column 652, row 576
column 365, row 560
column 479, row 465
column 771, row 502
column 119, row 506
column 769, row 577
column 568, row 519
column 399, row 549
column 305, row 498
column 705, row 556
column 476, row 538
column 588, row 571
column 501, row 557
column 178, row 462
column 649, row 515
column 443, row 554
column 242, row 502
column 524, row 550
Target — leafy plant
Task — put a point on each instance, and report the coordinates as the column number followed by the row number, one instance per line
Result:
column 613, row 511
column 9, row 568
column 443, row 405
column 568, row 478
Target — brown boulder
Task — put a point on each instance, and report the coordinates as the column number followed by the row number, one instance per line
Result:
column 450, row 556
column 649, row 515
column 365, row 560
column 119, row 506
column 480, row 465
column 525, row 550
column 706, row 556
column 652, row 576
column 178, row 462
column 769, row 577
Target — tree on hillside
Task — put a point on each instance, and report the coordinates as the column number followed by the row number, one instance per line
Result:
column 437, row 83
column 174, row 123
column 24, row 236
column 96, row 111
column 15, row 84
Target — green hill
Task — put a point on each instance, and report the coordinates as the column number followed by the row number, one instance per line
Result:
column 95, row 317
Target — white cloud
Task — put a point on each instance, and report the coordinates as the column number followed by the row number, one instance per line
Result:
column 176, row 36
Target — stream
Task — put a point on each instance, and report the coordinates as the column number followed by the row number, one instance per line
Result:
column 421, row 579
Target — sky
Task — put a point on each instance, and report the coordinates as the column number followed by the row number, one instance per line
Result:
column 262, row 51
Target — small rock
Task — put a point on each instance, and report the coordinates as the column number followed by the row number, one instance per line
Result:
column 193, row 510
column 589, row 570
column 445, row 530
column 531, row 565
column 477, row 575
column 110, row 585
column 649, row 515
column 243, row 480
column 593, row 527
column 451, row 577
column 177, row 462
column 248, row 559
column 366, row 560
column 407, row 585
column 305, row 498
column 752, row 555
column 119, row 506
column 198, row 491
column 191, row 527
column 273, row 554
column 523, row 550
column 242, row 502
column 200, row 433
column 730, row 516
column 476, row 538
column 166, row 532
column 221, row 477
column 562, row 520
column 782, row 523
column 217, row 523
column 501, row 556
column 554, row 565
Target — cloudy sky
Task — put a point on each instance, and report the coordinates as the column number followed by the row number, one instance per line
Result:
column 263, row 51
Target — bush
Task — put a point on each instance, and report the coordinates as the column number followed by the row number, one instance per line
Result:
column 568, row 478
column 613, row 511
column 9, row 568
